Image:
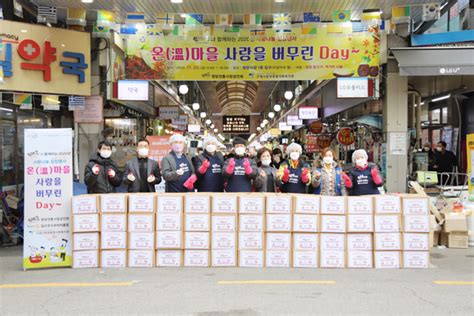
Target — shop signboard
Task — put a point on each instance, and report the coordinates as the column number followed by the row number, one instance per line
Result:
column 470, row 164
column 311, row 144
column 48, row 195
column 324, row 141
column 194, row 128
column 180, row 120
column 159, row 147
column 43, row 59
column 293, row 120
column 256, row 58
column 169, row 112
column 345, row 136
column 282, row 126
column 93, row 111
column 308, row 112
column 316, row 127
column 352, row 88
column 133, row 90
column 236, row 124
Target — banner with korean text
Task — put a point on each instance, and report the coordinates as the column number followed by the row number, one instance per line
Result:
column 44, row 59
column 279, row 57
column 48, row 195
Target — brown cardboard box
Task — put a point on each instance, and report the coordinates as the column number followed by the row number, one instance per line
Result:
column 141, row 258
column 141, row 203
column 416, row 259
column 278, row 223
column 330, row 242
column 455, row 222
column 170, row 203
column 416, row 223
column 141, row 241
column 141, row 222
column 253, row 203
column 197, row 222
column 433, row 235
column 359, row 242
column 360, row 204
column 360, row 259
column 335, row 205
column 251, row 258
column 333, row 224
column 113, row 203
column 85, row 204
column 225, row 203
column 85, row 223
column 223, row 241
column 305, row 223
column 169, row 258
column 415, row 241
column 225, row 223
column 306, row 203
column 387, row 223
column 251, row 241
column 388, row 259
column 197, row 203
column 85, row 259
column 414, row 204
column 360, row 223
column 224, row 257
column 279, row 203
column 113, row 240
column 277, row 258
column 458, row 240
column 332, row 259
column 387, row 204
column 305, row 259
column 169, row 221
column 197, row 258
column 251, row 222
column 113, row 222
column 169, row 240
column 278, row 241
column 113, row 258
column 85, row 241
column 197, row 240
column 305, row 242
column 387, row 241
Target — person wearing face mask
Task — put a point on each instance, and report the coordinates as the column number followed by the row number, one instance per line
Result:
column 177, row 168
column 239, row 171
column 363, row 178
column 294, row 175
column 101, row 174
column 208, row 166
column 327, row 179
column 445, row 161
column 266, row 178
column 142, row 173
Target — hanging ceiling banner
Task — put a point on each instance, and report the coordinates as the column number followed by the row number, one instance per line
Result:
column 278, row 57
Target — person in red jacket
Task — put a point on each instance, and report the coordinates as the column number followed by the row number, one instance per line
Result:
column 363, row 178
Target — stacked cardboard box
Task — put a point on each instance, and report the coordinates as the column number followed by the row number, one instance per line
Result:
column 455, row 232
column 278, row 230
column 197, row 227
column 85, row 228
column 360, row 228
column 169, row 230
column 416, row 228
column 141, row 235
column 251, row 230
column 224, row 230
column 333, row 232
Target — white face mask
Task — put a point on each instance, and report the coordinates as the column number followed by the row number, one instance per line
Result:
column 105, row 154
column 211, row 148
column 427, row 148
column 143, row 152
column 266, row 162
column 295, row 155
column 361, row 162
column 240, row 151
column 439, row 149
column 328, row 160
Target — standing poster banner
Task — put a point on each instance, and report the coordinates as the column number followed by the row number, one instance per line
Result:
column 48, row 195
column 159, row 147
column 470, row 164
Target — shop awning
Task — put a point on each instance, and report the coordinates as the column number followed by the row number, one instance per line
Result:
column 435, row 61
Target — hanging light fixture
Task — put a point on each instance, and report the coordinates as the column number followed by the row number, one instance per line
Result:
column 289, row 95
column 259, row 129
column 265, row 122
column 271, row 115
column 203, row 114
column 196, row 106
column 183, row 89
column 212, row 126
column 215, row 130
column 176, row 1
column 262, row 125
column 277, row 107
column 208, row 122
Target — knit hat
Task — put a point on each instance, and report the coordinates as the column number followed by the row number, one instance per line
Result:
column 177, row 138
column 294, row 147
column 239, row 141
column 359, row 152
column 209, row 139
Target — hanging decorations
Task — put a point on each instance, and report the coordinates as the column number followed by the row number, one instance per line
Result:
column 316, row 127
column 345, row 136
column 324, row 141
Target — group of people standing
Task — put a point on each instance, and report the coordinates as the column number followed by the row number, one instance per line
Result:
column 211, row 172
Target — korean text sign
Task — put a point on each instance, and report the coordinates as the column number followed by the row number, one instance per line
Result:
column 48, row 195
column 44, row 60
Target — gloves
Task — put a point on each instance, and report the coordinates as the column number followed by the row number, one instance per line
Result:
column 131, row 177
column 189, row 184
column 111, row 173
column 376, row 176
column 247, row 166
column 180, row 171
column 95, row 169
column 204, row 166
column 151, row 178
column 286, row 175
column 231, row 166
column 347, row 180
column 317, row 174
column 305, row 176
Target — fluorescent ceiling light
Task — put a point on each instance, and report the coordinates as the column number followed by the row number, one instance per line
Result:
column 444, row 97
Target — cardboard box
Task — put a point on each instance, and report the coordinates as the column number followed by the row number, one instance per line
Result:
column 416, row 205
column 251, row 259
column 141, row 223
column 85, row 241
column 224, row 223
column 433, row 235
column 113, row 258
column 388, row 241
column 333, row 224
column 197, row 203
column 360, row 204
column 360, row 259
column 359, row 242
column 170, row 203
column 84, row 223
column 251, row 241
column 113, row 222
column 335, row 205
column 169, row 240
column 278, row 203
column 141, row 203
column 169, row 258
column 387, row 204
column 278, row 241
column 387, row 259
column 196, row 258
column 223, row 258
column 305, row 223
column 416, row 259
column 459, row 240
column 141, row 241
column 195, row 222
column 113, row 240
column 305, row 259
column 455, row 222
column 277, row 259
column 141, row 258
column 225, row 203
column 84, row 204
column 387, row 223
column 416, row 223
column 415, row 242
column 333, row 242
column 85, row 259
column 113, row 203
column 278, row 223
column 169, row 221
column 251, row 223
column 252, row 203
column 305, row 242
column 197, row 240
column 307, row 203
column 360, row 223
column 223, row 241
column 332, row 259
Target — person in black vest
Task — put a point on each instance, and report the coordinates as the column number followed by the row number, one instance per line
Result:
column 208, row 166
column 142, row 173
column 239, row 171
column 101, row 174
column 178, row 170
column 363, row 178
column 294, row 174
